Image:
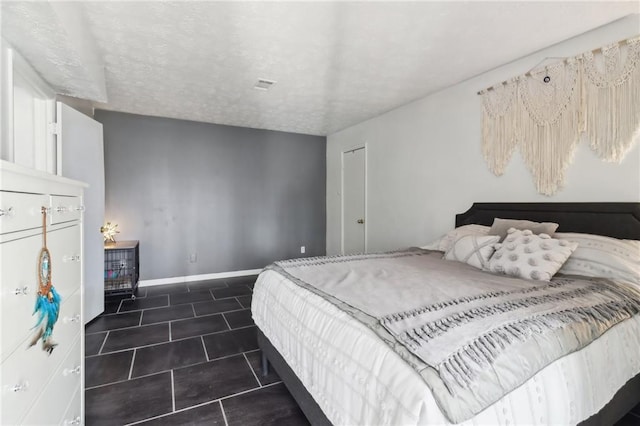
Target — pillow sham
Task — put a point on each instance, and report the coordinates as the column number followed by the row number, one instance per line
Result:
column 500, row 227
column 526, row 255
column 444, row 242
column 474, row 250
column 600, row 256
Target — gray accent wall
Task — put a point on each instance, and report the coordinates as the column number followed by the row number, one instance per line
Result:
column 237, row 198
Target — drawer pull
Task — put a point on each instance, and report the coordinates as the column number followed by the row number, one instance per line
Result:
column 75, row 370
column 75, row 421
column 79, row 208
column 75, row 318
column 71, row 258
column 24, row 291
column 61, row 209
column 20, row 387
column 7, row 212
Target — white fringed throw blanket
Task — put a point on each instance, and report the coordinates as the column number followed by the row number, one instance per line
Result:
column 473, row 336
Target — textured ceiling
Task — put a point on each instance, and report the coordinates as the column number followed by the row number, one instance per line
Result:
column 335, row 63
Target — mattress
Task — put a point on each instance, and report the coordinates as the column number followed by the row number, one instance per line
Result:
column 357, row 379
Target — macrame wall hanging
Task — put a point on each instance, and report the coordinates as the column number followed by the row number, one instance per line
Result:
column 545, row 111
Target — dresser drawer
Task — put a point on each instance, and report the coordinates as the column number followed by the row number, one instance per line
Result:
column 21, row 211
column 19, row 285
column 51, row 406
column 66, row 268
column 65, row 209
column 73, row 415
column 26, row 372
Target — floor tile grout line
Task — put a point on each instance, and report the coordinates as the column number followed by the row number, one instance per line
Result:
column 202, row 404
column 224, row 415
column 119, row 306
column 252, row 370
column 159, row 416
column 162, row 322
column 164, row 342
column 227, row 322
column 170, row 331
column 125, row 380
column 223, row 312
column 193, row 308
column 634, row 414
column 203, row 316
column 125, row 328
column 141, row 315
column 174, row 368
column 173, row 394
column 133, row 359
column 206, row 354
column 102, row 345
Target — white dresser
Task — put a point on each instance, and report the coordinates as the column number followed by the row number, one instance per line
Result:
column 38, row 388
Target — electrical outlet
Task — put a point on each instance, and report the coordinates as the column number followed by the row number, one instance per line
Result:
column 303, row 249
column 193, row 257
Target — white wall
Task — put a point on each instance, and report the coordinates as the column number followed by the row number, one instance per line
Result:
column 425, row 162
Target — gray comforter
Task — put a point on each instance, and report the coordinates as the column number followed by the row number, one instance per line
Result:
column 473, row 336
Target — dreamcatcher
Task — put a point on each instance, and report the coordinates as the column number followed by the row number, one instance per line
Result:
column 48, row 300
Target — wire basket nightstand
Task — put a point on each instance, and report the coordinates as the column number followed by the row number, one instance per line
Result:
column 121, row 268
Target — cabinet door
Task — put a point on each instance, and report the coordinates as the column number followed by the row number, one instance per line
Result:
column 81, row 157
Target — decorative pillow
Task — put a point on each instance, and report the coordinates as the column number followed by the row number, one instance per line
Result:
column 444, row 242
column 500, row 227
column 474, row 250
column 526, row 255
column 606, row 257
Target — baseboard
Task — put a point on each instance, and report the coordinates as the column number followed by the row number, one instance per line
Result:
column 201, row 277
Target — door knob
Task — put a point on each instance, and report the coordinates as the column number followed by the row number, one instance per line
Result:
column 360, row 221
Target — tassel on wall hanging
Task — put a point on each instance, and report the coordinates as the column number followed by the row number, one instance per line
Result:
column 549, row 123
column 47, row 300
column 545, row 112
column 499, row 126
column 612, row 99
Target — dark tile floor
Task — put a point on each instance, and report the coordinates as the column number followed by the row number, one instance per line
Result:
column 182, row 354
column 631, row 419
column 186, row 354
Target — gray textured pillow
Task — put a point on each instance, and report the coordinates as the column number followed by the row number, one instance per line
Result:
column 529, row 256
column 501, row 226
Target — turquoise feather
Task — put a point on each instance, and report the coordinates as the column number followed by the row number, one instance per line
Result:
column 48, row 312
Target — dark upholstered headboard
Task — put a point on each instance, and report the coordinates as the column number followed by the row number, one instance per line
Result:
column 618, row 220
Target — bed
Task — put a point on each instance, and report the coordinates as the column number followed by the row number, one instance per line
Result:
column 340, row 371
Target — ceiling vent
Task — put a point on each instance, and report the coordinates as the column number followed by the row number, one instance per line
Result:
column 264, row 84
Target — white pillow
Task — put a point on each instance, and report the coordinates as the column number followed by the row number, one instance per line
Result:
column 526, row 255
column 474, row 250
column 444, row 242
column 606, row 257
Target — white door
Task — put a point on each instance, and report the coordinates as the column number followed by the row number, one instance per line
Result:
column 353, row 201
column 81, row 157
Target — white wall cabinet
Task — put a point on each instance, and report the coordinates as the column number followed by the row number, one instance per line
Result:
column 38, row 388
column 28, row 115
